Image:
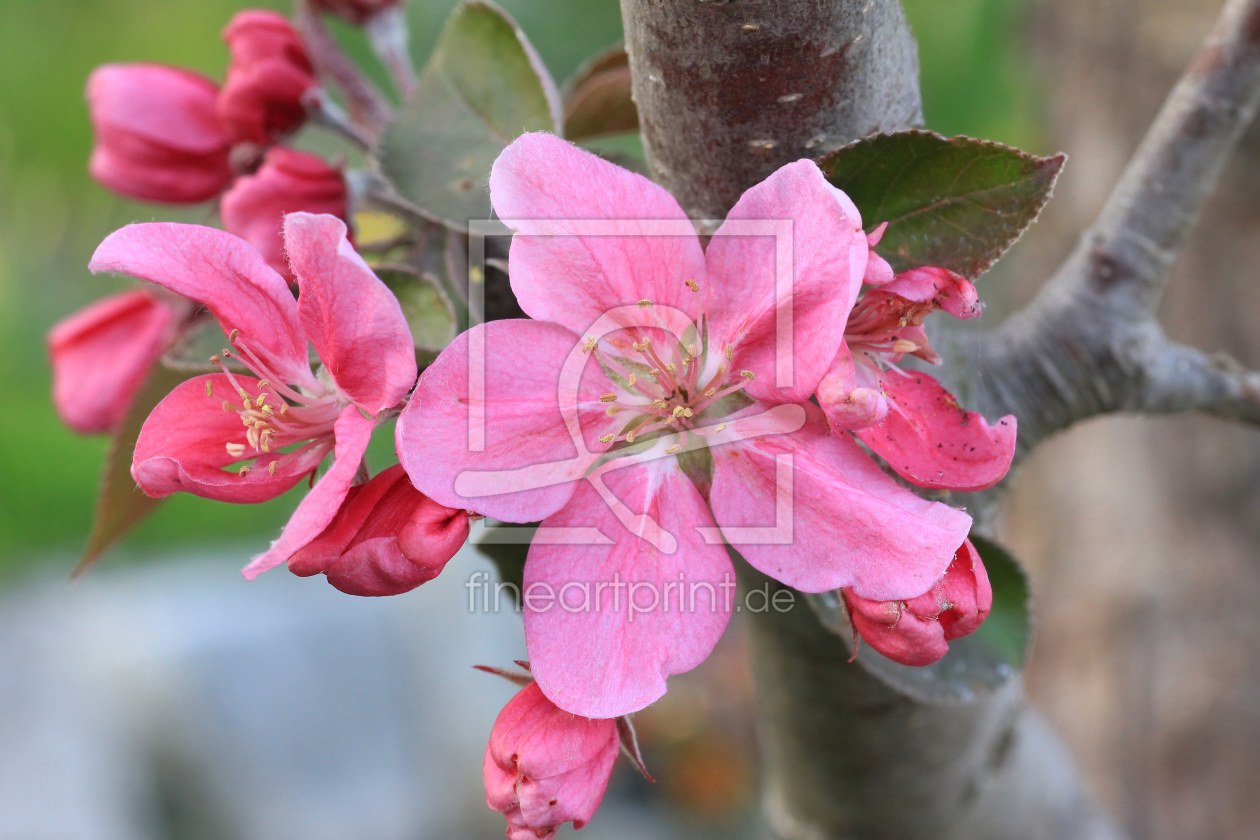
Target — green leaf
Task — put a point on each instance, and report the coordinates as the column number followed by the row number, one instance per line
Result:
column 955, row 203
column 484, row 86
column 426, row 306
column 121, row 505
column 975, row 665
column 597, row 98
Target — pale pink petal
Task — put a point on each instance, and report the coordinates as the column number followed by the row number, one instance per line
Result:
column 352, row 433
column 590, row 652
column 942, row 288
column 849, row 393
column 183, row 447
column 569, row 277
column 229, row 276
column 102, row 355
column 827, row 260
column 516, row 424
column 929, row 439
column 353, row 320
column 835, row 520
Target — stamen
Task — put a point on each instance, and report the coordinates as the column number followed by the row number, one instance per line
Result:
column 720, row 427
column 730, row 354
column 748, row 374
column 271, row 468
column 214, row 360
column 608, row 438
column 284, row 408
column 693, row 285
column 710, row 392
column 607, row 398
column 674, row 450
column 244, row 471
column 612, row 410
column 248, row 405
column 236, row 450
column 209, row 393
column 645, row 303
column 263, row 384
column 589, row 344
column 901, row 345
column 631, row 380
column 233, row 336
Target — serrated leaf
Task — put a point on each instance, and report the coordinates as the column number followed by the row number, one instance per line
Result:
column 484, row 86
column 597, row 99
column 955, row 203
column 120, row 504
column 975, row 665
column 426, row 306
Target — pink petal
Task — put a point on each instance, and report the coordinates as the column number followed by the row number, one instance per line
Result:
column 352, row 433
column 569, row 277
column 942, row 288
column 828, row 259
column 182, row 447
column 353, row 320
column 849, row 393
column 608, row 660
column 850, row 525
column 269, row 73
column 227, row 275
column 520, row 426
column 929, row 439
column 102, row 355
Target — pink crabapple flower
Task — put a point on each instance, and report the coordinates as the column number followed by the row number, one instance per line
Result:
column 102, row 355
column 545, row 766
column 906, row 417
column 917, row 631
column 270, row 73
column 386, row 539
column 645, row 403
column 157, row 133
column 288, row 181
column 216, row 420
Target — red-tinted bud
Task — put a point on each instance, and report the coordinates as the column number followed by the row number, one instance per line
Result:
column 269, row 73
column 545, row 766
column 158, row 135
column 102, row 355
column 917, row 631
column 288, row 182
column 387, row 538
column 356, row 11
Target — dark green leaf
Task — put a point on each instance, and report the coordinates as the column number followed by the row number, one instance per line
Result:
column 425, row 304
column 975, row 665
column 597, row 99
column 507, row 546
column 483, row 86
column 955, row 203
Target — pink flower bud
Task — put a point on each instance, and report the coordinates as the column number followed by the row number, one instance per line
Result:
column 158, row 136
column 387, row 538
column 545, row 766
column 356, row 11
column 288, row 182
column 916, row 632
column 102, row 354
column 269, row 73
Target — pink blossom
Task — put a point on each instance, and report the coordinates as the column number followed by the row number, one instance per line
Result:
column 158, row 135
column 917, row 631
column 545, row 766
column 905, row 416
column 102, row 355
column 386, row 539
column 267, row 78
column 220, row 419
column 356, row 11
column 646, row 402
column 287, row 182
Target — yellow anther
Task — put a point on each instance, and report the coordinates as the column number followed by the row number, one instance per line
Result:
column 710, row 392
column 263, row 384
column 693, row 285
column 693, row 350
column 631, row 380
column 674, row 450
column 266, row 409
column 264, row 444
column 611, row 410
column 284, row 408
column 260, row 400
column 730, row 354
column 589, row 344
column 654, row 372
column 608, row 438
column 225, row 353
column 243, row 393
column 249, row 406
column 687, row 412
column 233, row 336
column 901, row 345
column 209, row 393
column 721, row 370
column 678, row 411
column 671, row 367
column 244, row 471
column 630, row 435
column 720, row 427
column 748, row 374
column 236, row 450
column 214, row 360
column 271, row 468
column 645, row 303
column 607, row 397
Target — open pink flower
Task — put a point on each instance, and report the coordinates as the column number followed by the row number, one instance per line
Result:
column 284, row 422
column 387, row 538
column 270, row 73
column 158, row 135
column 663, row 393
column 917, row 631
column 102, row 355
column 545, row 766
column 906, row 417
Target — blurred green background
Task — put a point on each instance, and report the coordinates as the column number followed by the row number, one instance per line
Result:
column 975, row 81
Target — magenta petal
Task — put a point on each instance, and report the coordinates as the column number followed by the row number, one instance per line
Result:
column 351, row 432
column 828, row 258
column 229, row 276
column 353, row 320
column 590, row 652
column 929, row 439
column 942, row 288
column 840, row 522
column 849, row 393
column 569, row 277
column 522, row 424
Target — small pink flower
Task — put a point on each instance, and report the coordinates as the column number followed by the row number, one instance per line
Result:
column 269, row 74
column 158, row 135
column 906, row 417
column 289, row 181
column 545, row 766
column 219, row 419
column 102, row 355
column 356, row 11
column 917, row 631
column 645, row 404
column 386, row 539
